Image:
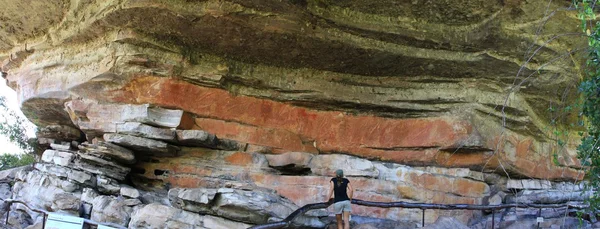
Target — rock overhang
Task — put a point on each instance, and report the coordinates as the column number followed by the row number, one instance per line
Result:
column 307, row 67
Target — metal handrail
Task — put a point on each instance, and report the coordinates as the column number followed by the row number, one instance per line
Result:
column 45, row 215
column 288, row 220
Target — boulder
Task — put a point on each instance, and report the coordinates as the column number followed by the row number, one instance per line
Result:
column 154, row 197
column 213, row 222
column 108, row 209
column 446, row 223
column 547, row 196
column 94, row 117
column 88, row 195
column 129, row 192
column 19, row 219
column 36, row 225
column 143, row 145
column 132, row 202
column 10, row 174
column 44, row 191
column 5, row 191
column 568, row 186
column 106, row 149
column 160, row 216
column 99, row 166
column 145, row 131
column 292, row 162
column 57, row 157
column 196, row 138
column 59, row 132
column 107, row 185
column 66, row 202
column 530, row 222
column 251, row 206
column 529, row 184
column 358, row 222
column 47, row 197
column 62, row 147
column 80, row 177
column 497, row 198
column 198, row 200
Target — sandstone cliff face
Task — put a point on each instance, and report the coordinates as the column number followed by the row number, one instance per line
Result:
column 418, row 100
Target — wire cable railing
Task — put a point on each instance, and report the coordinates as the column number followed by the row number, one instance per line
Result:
column 424, row 206
column 288, row 220
column 44, row 213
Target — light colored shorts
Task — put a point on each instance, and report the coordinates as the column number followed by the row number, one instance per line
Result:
column 341, row 206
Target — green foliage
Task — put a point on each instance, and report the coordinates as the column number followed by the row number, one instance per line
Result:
column 13, row 127
column 8, row 161
column 588, row 151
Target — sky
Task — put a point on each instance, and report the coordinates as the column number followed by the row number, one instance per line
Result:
column 11, row 99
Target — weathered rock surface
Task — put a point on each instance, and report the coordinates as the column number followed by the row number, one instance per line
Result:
column 62, row 147
column 326, row 165
column 220, row 223
column 528, row 184
column 62, row 132
column 145, row 131
column 10, row 174
column 101, row 166
column 250, row 206
column 112, row 151
column 46, row 192
column 446, row 223
column 107, row 185
column 143, row 145
column 110, row 210
column 95, row 119
column 547, row 197
column 161, row 216
column 291, row 162
column 196, row 138
column 129, row 192
column 380, row 87
column 414, row 103
column 78, row 176
column 58, row 157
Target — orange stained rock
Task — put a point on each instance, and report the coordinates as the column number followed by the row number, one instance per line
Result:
column 432, row 182
column 524, row 148
column 452, row 159
column 331, row 130
column 466, row 187
column 239, row 158
column 184, row 181
column 276, row 138
column 284, row 127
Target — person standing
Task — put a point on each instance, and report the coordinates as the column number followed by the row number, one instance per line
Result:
column 343, row 191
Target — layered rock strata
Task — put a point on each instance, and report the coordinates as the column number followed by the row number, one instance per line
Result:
column 423, row 101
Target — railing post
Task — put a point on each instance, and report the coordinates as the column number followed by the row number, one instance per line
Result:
column 423, row 222
column 44, row 221
column 493, row 218
column 7, row 213
column 539, row 215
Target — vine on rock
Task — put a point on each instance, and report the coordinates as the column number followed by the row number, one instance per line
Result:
column 589, row 149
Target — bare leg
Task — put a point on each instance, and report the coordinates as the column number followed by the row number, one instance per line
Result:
column 338, row 217
column 346, row 220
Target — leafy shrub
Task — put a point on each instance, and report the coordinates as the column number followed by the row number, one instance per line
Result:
column 8, row 161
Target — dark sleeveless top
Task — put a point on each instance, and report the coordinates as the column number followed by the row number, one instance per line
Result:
column 340, row 193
